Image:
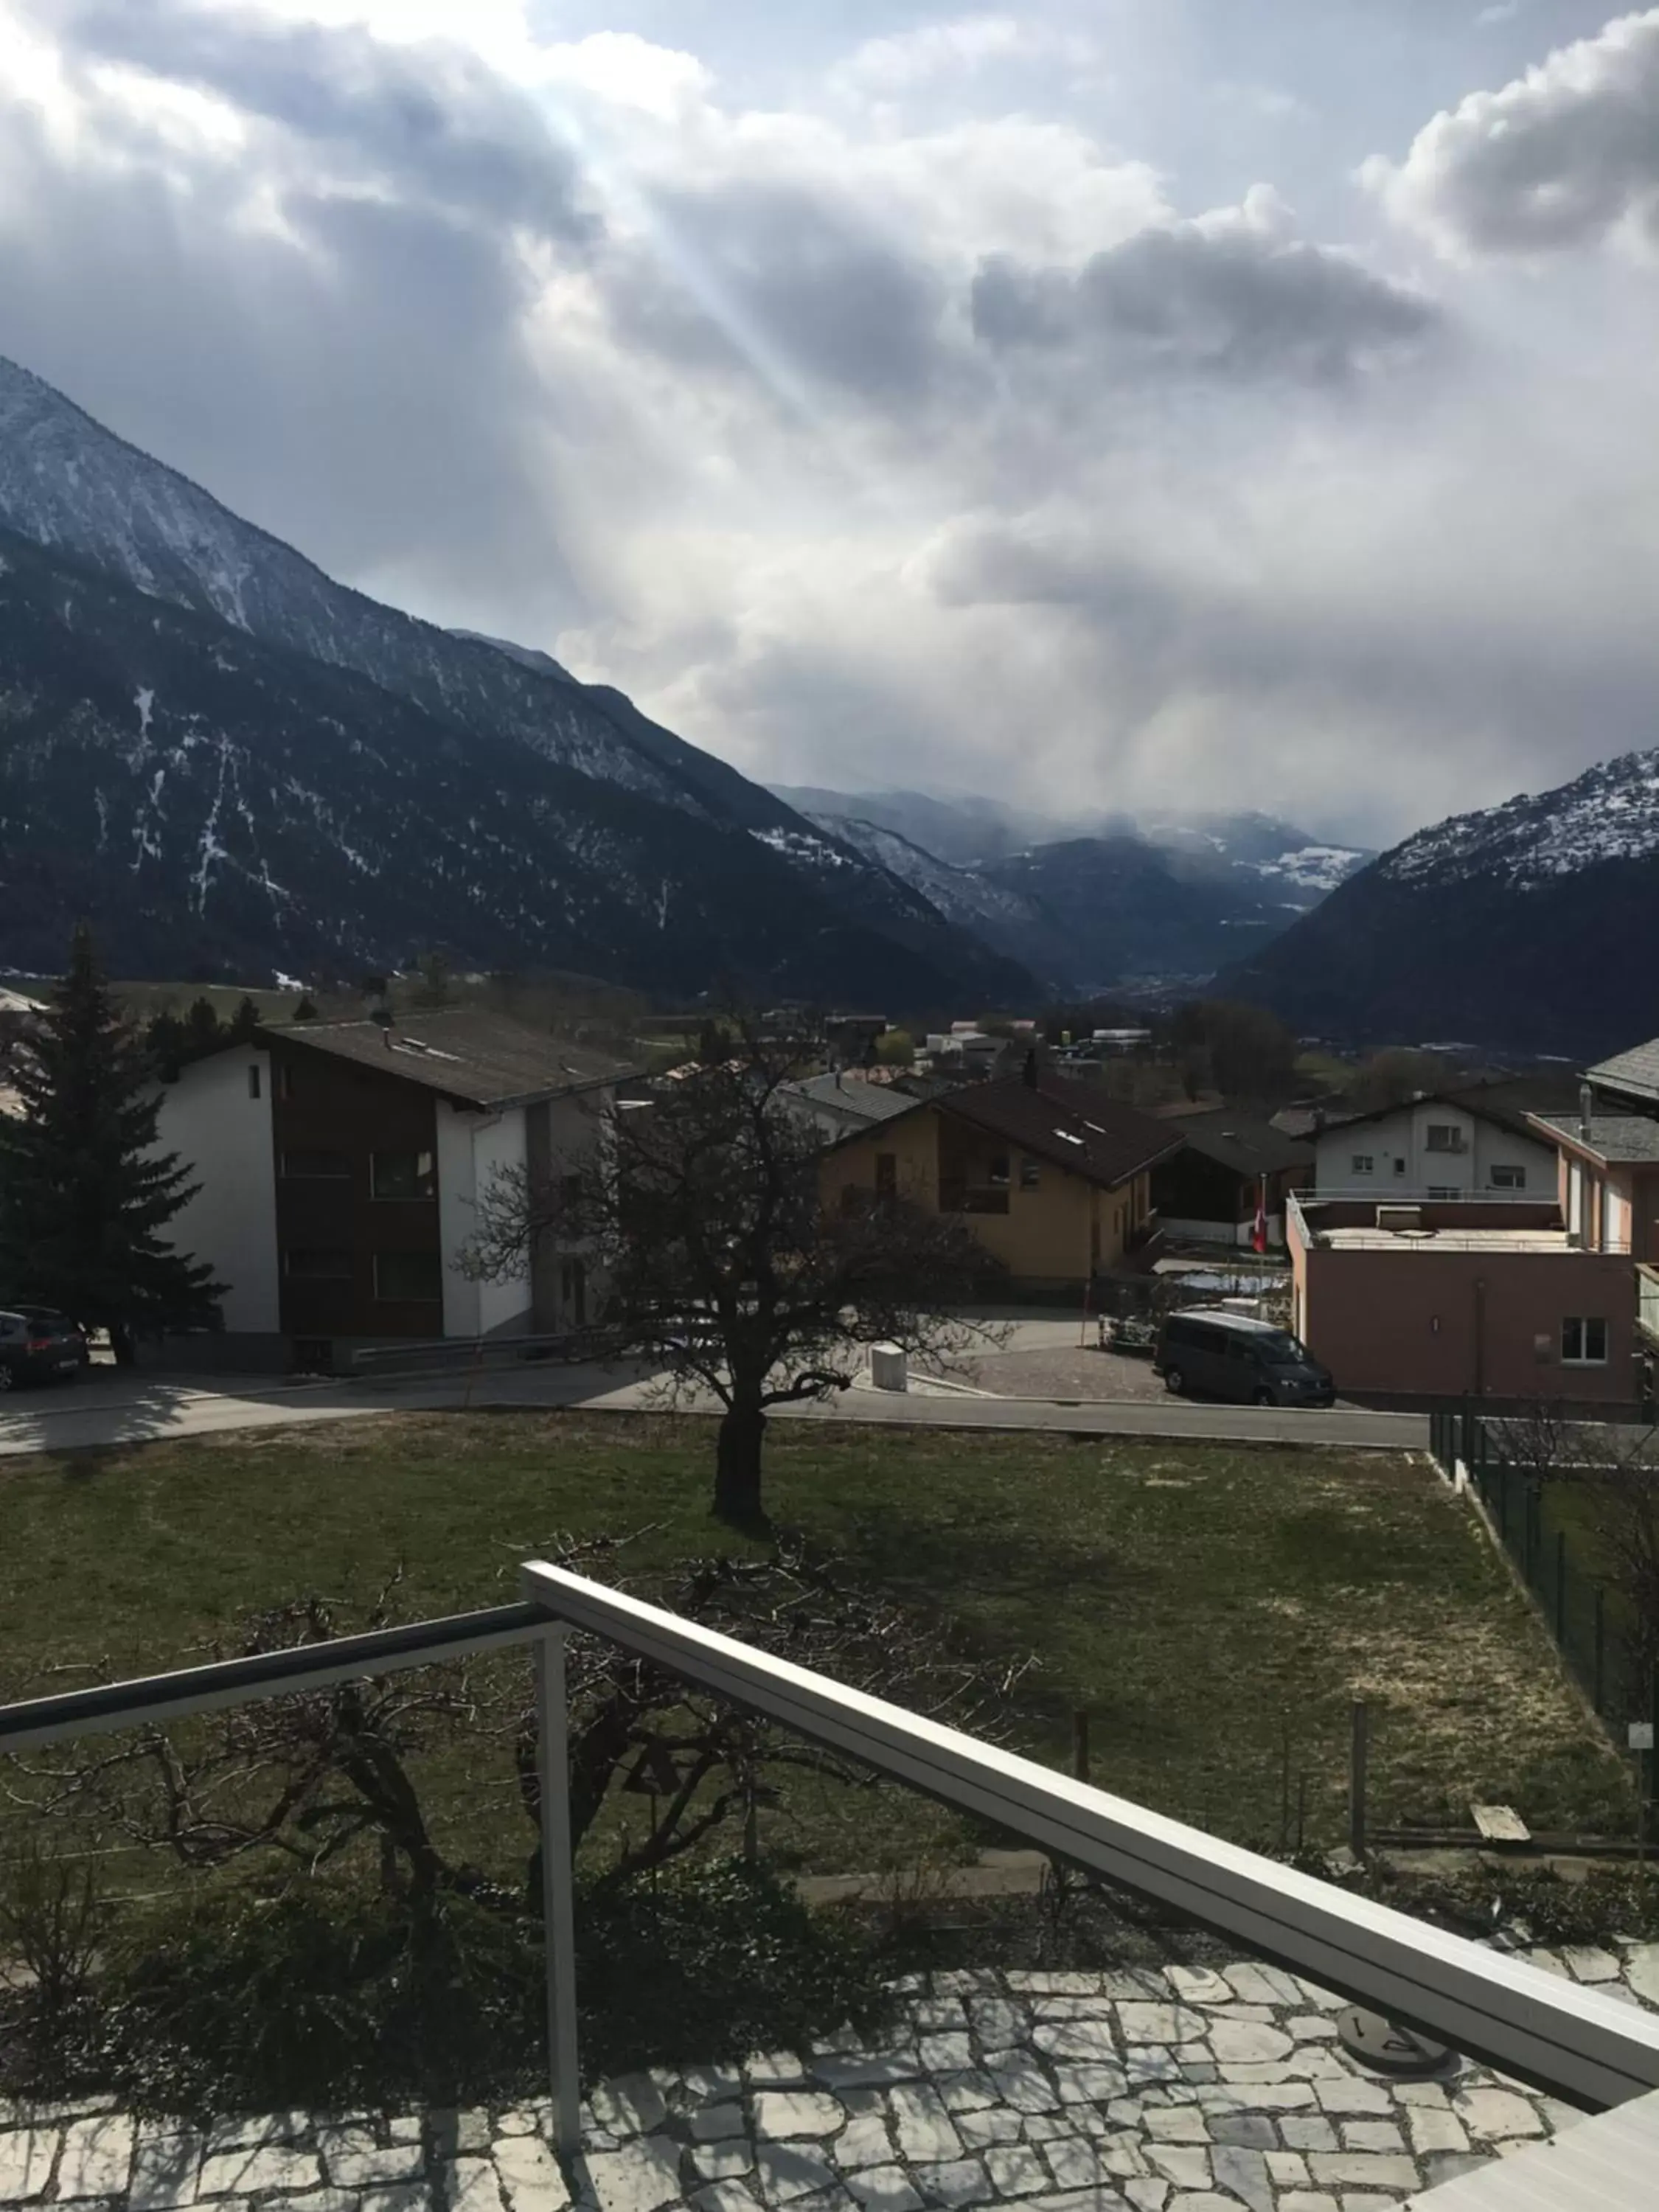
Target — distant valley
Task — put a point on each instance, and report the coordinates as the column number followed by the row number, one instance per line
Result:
column 1158, row 902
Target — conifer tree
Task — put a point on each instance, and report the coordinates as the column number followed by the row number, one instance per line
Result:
column 83, row 1196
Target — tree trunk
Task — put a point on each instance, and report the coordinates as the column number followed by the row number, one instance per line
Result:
column 738, row 1464
column 121, row 1344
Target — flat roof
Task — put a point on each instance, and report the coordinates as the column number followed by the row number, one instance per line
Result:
column 1370, row 1238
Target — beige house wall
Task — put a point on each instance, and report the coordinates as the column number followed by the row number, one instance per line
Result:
column 1057, row 1230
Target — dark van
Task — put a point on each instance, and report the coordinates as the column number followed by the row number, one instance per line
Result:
column 1225, row 1355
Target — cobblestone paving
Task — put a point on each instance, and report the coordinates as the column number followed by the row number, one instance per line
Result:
column 1184, row 2090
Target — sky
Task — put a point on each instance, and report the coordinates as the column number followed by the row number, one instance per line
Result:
column 1095, row 404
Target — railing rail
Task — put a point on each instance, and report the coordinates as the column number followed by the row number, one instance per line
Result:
column 1567, row 2039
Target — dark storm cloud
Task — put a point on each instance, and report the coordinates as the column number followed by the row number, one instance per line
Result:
column 1237, row 301
column 355, row 379
column 783, row 265
column 431, row 119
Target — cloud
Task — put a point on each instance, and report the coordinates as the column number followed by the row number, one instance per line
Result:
column 430, row 122
column 1562, row 157
column 840, row 301
column 926, row 435
column 1230, row 294
column 905, row 60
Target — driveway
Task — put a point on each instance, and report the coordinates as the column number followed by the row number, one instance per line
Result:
column 110, row 1410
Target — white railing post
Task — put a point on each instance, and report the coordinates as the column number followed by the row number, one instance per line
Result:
column 558, row 1888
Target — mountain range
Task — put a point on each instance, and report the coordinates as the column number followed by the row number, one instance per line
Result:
column 1156, row 903
column 229, row 763
column 1526, row 927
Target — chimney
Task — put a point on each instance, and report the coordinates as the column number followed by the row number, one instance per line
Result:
column 1031, row 1069
column 1586, row 1110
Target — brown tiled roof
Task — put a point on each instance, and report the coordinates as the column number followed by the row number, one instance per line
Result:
column 1071, row 1124
column 1243, row 1142
column 464, row 1052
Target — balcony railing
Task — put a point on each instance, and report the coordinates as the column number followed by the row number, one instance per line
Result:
column 973, row 1198
column 1561, row 2036
column 1647, row 1304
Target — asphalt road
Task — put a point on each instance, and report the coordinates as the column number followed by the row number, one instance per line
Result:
column 108, row 1411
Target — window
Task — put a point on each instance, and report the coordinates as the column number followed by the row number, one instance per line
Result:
column 1509, row 1178
column 253, row 1078
column 402, row 1175
column 285, row 1080
column 998, row 1175
column 1443, row 1137
column 315, row 1266
column 1364, row 1163
column 409, row 1277
column 1584, row 1341
column 315, row 1167
column 1031, row 1175
column 1399, row 1167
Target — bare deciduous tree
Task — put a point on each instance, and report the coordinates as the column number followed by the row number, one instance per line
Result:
column 307, row 1775
column 702, row 1211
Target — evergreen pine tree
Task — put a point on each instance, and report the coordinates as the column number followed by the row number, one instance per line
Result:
column 245, row 1024
column 203, row 1030
column 305, row 1011
column 165, row 1042
column 83, row 1196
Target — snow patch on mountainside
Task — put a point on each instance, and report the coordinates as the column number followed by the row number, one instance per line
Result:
column 1314, row 867
column 962, row 895
column 1611, row 812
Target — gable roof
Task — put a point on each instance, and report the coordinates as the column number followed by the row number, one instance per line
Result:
column 1069, row 1124
column 1628, row 1139
column 1243, row 1143
column 855, row 1096
column 464, row 1053
column 1508, row 1104
column 1635, row 1072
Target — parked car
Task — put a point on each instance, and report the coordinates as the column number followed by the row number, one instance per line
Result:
column 39, row 1346
column 1227, row 1355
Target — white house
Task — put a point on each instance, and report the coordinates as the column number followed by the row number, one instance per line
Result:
column 339, row 1167
column 1464, row 1143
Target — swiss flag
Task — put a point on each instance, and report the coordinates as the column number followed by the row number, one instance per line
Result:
column 1258, row 1234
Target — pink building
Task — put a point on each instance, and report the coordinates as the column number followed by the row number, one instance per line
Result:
column 1508, row 1299
column 1458, row 1298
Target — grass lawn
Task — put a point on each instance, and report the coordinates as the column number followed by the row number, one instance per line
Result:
column 1207, row 1606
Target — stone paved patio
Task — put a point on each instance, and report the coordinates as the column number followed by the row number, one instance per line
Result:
column 1180, row 2090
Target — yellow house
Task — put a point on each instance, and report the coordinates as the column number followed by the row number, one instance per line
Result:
column 1052, row 1178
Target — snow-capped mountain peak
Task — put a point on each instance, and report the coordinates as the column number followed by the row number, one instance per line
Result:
column 1611, row 812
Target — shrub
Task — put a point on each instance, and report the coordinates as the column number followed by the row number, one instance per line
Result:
column 53, row 1919
column 319, row 1995
column 717, row 1961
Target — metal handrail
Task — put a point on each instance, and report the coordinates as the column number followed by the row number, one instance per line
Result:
column 1564, row 2038
column 1578, row 2045
column 222, row 1683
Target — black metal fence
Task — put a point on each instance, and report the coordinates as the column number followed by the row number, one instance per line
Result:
column 1585, row 1612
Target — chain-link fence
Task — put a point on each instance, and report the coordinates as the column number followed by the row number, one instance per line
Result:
column 1537, row 1513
